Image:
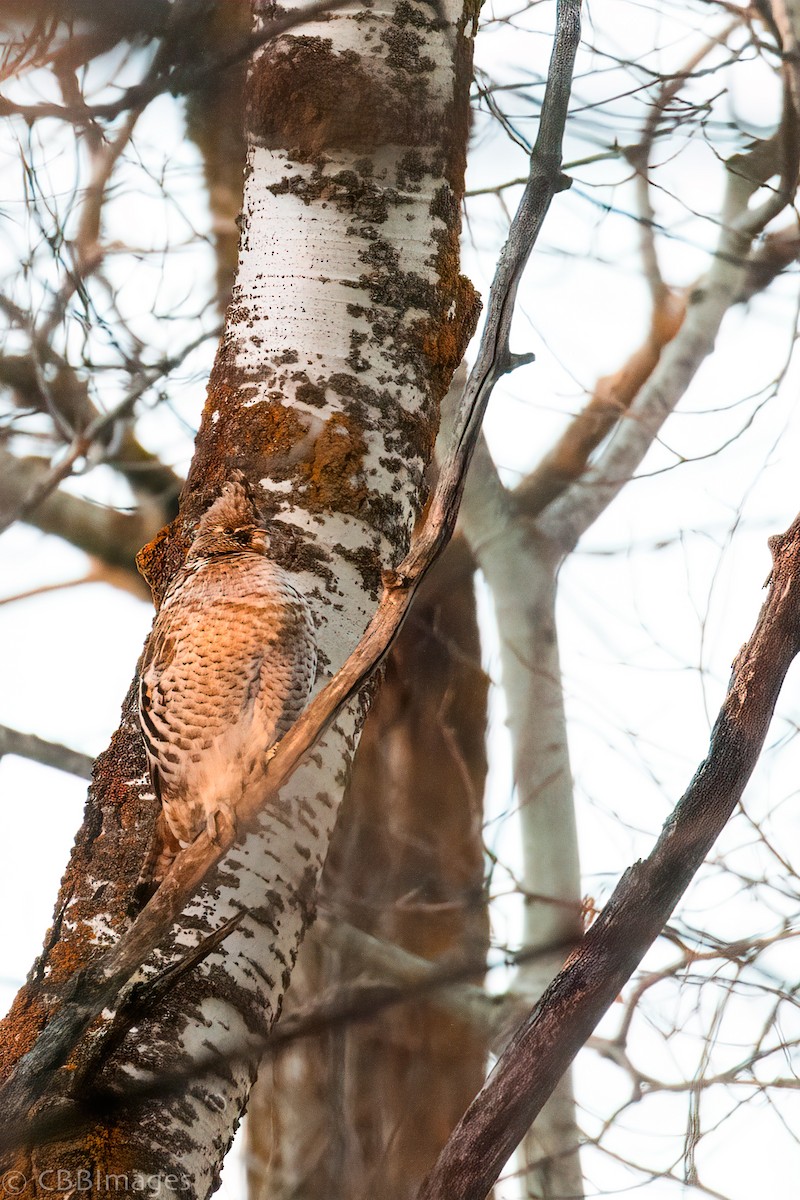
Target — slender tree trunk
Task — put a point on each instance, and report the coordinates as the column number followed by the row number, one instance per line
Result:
column 366, row 1110
column 520, row 568
column 215, row 124
column 347, row 319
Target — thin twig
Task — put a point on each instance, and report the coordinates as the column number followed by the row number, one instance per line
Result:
column 568, row 516
column 639, row 158
column 84, row 441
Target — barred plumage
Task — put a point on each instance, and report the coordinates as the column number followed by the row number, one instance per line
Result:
column 228, row 669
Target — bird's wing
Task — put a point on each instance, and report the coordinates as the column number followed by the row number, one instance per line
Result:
column 158, row 654
column 288, row 666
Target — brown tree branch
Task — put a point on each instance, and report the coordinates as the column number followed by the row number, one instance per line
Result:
column 114, row 537
column 174, row 77
column 561, row 1022
column 612, row 397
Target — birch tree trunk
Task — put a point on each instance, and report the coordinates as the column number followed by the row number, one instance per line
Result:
column 338, row 1113
column 520, row 568
column 347, row 319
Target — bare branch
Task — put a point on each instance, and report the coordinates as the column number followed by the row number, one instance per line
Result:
column 114, row 537
column 639, row 158
column 612, row 398
column 21, row 506
column 67, row 395
column 568, row 517
column 49, row 754
column 530, row 1068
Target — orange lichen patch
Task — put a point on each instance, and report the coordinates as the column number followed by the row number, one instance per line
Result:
column 306, row 97
column 19, row 1028
column 67, row 957
column 267, row 438
column 335, row 474
column 269, row 431
column 613, row 396
column 457, row 305
column 445, row 342
column 158, row 561
column 103, row 1160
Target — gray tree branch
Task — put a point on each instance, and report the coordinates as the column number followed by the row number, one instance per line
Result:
column 49, row 754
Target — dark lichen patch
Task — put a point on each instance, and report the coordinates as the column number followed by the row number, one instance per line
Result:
column 404, row 52
column 238, row 313
column 355, row 360
column 407, row 435
column 291, row 549
column 444, row 206
column 311, row 394
column 363, row 401
column 394, row 466
column 285, row 358
column 414, row 437
column 387, row 284
column 306, row 98
column 411, row 170
column 409, row 14
column 348, row 191
column 368, row 564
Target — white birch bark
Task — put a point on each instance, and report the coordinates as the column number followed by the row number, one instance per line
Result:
column 520, row 570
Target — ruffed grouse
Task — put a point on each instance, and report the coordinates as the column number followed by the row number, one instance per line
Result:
column 228, row 669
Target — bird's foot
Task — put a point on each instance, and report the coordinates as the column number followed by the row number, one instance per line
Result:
column 221, row 825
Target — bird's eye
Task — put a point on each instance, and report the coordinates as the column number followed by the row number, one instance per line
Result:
column 243, row 535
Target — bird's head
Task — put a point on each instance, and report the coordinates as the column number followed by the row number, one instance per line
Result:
column 229, row 526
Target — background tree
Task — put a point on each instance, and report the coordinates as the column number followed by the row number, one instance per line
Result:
column 645, row 126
